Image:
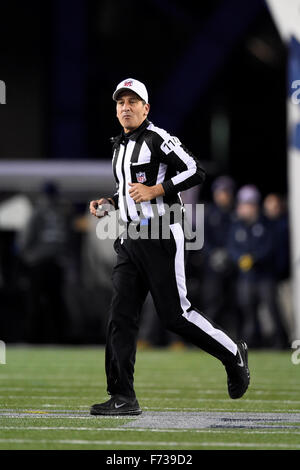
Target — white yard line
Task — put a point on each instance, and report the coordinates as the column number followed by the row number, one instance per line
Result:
column 178, row 399
column 229, row 410
column 45, row 397
column 48, row 405
column 87, row 388
column 27, row 407
column 139, row 389
column 152, row 444
column 245, row 400
column 118, row 429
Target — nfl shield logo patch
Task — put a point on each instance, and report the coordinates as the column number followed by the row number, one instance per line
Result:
column 141, row 177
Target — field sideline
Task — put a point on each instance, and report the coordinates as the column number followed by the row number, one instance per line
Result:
column 46, row 392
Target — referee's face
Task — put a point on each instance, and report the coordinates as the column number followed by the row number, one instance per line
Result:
column 131, row 110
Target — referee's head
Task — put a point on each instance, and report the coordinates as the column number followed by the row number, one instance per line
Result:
column 131, row 97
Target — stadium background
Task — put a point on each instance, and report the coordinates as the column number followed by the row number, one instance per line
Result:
column 216, row 74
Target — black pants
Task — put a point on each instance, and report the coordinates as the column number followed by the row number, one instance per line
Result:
column 156, row 265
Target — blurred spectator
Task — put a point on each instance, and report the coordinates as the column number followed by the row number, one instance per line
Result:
column 250, row 246
column 44, row 247
column 274, row 210
column 274, row 207
column 217, row 283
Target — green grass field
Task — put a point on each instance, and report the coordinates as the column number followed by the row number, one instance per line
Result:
column 46, row 393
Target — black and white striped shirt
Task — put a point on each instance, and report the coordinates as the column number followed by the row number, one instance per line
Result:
column 151, row 156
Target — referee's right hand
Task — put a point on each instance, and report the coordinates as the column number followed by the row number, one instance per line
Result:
column 94, row 205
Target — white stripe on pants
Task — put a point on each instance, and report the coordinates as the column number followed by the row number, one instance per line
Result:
column 193, row 316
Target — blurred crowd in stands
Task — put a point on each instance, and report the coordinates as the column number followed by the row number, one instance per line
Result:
column 55, row 274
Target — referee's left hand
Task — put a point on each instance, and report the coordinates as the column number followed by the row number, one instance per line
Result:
column 140, row 192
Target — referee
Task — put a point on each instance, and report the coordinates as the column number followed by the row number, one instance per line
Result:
column 151, row 168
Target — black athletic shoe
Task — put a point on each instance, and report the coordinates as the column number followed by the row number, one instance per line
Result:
column 118, row 405
column 238, row 375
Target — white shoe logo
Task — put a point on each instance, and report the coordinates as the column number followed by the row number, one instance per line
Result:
column 241, row 363
column 119, row 406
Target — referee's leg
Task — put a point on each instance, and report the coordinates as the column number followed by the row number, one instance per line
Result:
column 163, row 262
column 129, row 293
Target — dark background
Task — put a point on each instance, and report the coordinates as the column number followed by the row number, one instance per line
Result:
column 62, row 60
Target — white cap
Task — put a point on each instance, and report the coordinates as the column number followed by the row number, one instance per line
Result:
column 132, row 85
column 248, row 194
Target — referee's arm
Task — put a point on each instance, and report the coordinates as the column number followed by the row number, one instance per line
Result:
column 187, row 166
